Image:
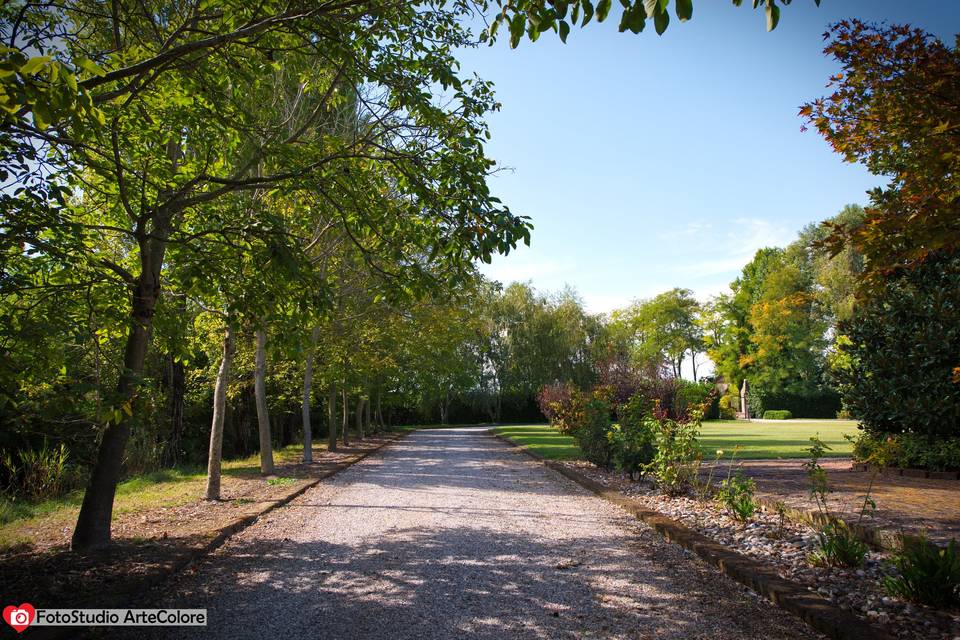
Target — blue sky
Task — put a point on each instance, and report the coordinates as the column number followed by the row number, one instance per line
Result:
column 649, row 162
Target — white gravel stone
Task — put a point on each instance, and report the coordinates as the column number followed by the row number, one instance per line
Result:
column 453, row 534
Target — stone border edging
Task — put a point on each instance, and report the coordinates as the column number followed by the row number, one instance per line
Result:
column 813, row 609
column 122, row 600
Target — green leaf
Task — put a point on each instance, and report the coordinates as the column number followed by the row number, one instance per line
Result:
column 603, row 8
column 634, row 19
column 773, row 15
column 34, row 65
column 660, row 21
column 517, row 24
column 587, row 12
column 684, row 10
column 564, row 30
column 90, row 67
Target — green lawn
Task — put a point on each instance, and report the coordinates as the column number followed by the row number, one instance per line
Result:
column 542, row 439
column 757, row 440
column 775, row 438
column 163, row 488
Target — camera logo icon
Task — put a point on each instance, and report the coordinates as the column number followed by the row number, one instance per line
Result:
column 19, row 617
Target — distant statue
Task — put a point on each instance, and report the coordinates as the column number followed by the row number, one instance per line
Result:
column 745, row 400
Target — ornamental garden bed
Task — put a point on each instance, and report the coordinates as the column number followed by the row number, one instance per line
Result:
column 785, row 545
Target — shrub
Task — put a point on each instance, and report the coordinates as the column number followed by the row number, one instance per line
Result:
column 563, row 405
column 632, row 441
column 37, row 473
column 677, row 460
column 692, row 396
column 900, row 353
column 837, row 546
column 927, row 574
column 814, row 404
column 727, row 407
column 591, row 433
column 908, row 451
column 777, row 414
column 736, row 496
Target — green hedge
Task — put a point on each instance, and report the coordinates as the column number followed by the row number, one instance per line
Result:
column 823, row 404
column 777, row 414
column 908, row 451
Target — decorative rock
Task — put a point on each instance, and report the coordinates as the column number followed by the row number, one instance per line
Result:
column 786, row 549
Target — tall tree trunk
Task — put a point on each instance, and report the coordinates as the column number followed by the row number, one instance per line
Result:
column 93, row 523
column 445, row 407
column 177, row 393
column 332, row 418
column 307, row 382
column 260, row 393
column 345, row 424
column 219, row 412
column 693, row 359
column 359, row 417
column 366, row 417
column 380, row 424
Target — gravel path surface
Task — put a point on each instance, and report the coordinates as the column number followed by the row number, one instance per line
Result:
column 451, row 533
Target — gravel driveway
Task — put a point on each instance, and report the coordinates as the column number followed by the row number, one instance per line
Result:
column 452, row 533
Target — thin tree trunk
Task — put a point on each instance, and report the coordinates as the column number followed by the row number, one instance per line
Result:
column 366, row 411
column 345, row 424
column 359, row 417
column 260, row 393
column 177, row 391
column 379, row 410
column 219, row 411
column 332, row 418
column 93, row 522
column 445, row 407
column 307, row 382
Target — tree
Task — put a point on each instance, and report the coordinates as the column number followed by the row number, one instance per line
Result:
column 895, row 107
column 532, row 339
column 664, row 329
column 786, row 329
column 164, row 118
column 535, row 17
column 837, row 275
column 898, row 367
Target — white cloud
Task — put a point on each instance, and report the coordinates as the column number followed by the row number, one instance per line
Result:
column 732, row 250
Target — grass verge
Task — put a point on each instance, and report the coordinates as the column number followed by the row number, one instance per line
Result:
column 162, row 488
column 757, row 440
column 543, row 440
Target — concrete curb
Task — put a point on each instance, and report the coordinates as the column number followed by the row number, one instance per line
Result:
column 816, row 611
column 121, row 600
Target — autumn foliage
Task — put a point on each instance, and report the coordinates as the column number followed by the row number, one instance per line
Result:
column 896, row 108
